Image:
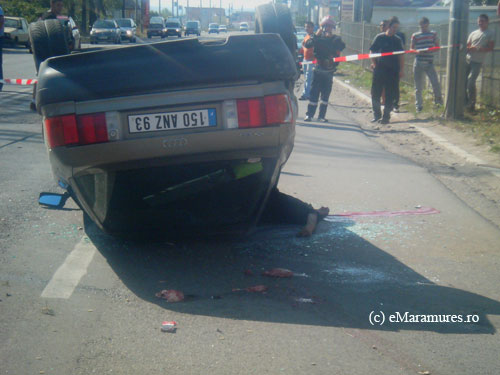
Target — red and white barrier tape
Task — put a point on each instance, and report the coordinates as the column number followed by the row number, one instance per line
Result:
column 364, row 56
column 23, row 82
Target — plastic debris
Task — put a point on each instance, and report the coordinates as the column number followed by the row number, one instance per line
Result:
column 171, row 295
column 169, row 326
column 305, row 300
column 424, row 372
column 48, row 311
column 278, row 272
column 253, row 289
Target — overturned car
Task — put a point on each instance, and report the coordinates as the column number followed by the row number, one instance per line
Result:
column 180, row 136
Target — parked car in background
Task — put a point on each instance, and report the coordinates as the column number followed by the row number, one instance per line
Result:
column 192, row 27
column 213, row 28
column 156, row 27
column 16, row 31
column 105, row 31
column 173, row 28
column 244, row 26
column 222, row 29
column 128, row 29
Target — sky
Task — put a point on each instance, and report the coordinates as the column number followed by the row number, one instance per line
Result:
column 237, row 4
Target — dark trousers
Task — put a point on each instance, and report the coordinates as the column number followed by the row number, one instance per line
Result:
column 396, row 95
column 387, row 79
column 1, row 62
column 321, row 87
column 285, row 209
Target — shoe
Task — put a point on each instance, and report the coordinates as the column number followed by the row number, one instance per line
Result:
column 308, row 119
column 322, row 119
column 375, row 119
column 395, row 109
column 303, row 97
column 384, row 121
column 419, row 109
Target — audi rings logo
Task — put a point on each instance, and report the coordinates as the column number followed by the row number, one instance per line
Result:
column 175, row 142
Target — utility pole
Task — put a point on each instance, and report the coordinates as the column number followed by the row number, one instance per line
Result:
column 455, row 67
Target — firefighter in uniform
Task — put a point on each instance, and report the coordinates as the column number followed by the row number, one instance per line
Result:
column 326, row 46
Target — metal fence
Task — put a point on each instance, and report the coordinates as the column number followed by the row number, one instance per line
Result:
column 359, row 36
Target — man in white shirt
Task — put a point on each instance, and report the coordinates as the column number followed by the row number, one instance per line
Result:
column 479, row 43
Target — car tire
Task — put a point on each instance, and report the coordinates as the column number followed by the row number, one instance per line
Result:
column 276, row 18
column 58, row 39
column 39, row 40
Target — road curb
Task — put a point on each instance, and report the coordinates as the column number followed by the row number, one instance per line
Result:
column 426, row 132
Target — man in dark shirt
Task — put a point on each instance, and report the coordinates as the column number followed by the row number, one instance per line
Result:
column 56, row 7
column 326, row 46
column 386, row 70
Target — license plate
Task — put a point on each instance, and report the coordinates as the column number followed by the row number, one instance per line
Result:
column 152, row 122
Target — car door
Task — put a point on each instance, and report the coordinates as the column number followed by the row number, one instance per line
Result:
column 23, row 35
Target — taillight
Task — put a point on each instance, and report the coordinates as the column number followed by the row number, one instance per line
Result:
column 69, row 130
column 92, row 128
column 265, row 111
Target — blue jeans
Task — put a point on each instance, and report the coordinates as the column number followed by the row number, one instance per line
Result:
column 420, row 69
column 473, row 69
column 308, row 77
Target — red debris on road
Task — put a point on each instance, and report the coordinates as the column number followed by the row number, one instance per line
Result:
column 278, row 272
column 171, row 295
column 257, row 288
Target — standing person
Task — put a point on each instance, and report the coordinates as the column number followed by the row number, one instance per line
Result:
column 2, row 20
column 56, row 7
column 386, row 70
column 395, row 107
column 479, row 43
column 308, row 67
column 424, row 63
column 326, row 47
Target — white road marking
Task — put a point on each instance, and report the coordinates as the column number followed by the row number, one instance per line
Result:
column 68, row 275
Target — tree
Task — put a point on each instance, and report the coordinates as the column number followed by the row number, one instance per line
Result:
column 31, row 10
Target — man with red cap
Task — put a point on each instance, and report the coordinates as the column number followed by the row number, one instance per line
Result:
column 326, row 46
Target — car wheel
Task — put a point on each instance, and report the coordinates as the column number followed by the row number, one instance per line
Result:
column 58, row 39
column 276, row 18
column 39, row 41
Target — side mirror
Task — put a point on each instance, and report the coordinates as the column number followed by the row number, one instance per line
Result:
column 53, row 200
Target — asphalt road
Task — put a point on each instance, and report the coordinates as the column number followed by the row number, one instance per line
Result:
column 318, row 322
